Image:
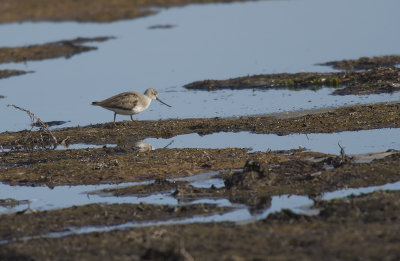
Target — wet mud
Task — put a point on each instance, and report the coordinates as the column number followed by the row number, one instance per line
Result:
column 9, row 73
column 297, row 173
column 11, row 203
column 87, row 10
column 364, row 227
column 64, row 48
column 126, row 133
column 98, row 166
column 30, row 223
column 365, row 63
column 314, row 175
column 161, row 26
column 377, row 80
column 160, row 185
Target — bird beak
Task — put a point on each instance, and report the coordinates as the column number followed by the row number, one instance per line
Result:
column 163, row 102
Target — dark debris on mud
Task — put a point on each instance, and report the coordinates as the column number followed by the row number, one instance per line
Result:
column 314, row 175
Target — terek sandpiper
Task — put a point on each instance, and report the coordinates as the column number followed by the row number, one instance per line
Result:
column 129, row 103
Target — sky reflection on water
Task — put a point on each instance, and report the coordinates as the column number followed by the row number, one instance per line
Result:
column 235, row 40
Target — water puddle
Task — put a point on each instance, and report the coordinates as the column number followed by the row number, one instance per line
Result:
column 44, row 198
column 297, row 204
column 130, row 61
column 203, row 180
column 77, row 146
column 353, row 142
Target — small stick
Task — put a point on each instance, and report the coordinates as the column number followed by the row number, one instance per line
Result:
column 33, row 118
column 342, row 153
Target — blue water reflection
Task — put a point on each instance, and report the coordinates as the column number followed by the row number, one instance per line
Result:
column 235, row 40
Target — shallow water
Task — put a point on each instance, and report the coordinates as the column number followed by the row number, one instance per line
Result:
column 44, row 198
column 297, row 204
column 353, row 142
column 235, row 40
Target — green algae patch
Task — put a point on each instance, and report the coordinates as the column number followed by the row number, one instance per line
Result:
column 364, row 63
column 64, row 48
column 377, row 80
column 37, row 223
column 365, row 227
column 374, row 81
column 126, row 133
column 86, row 10
column 267, row 81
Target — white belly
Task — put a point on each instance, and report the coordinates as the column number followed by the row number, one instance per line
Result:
column 135, row 110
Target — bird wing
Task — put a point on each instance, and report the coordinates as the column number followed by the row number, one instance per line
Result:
column 123, row 101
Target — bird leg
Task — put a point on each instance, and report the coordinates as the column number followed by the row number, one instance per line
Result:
column 134, row 120
column 115, row 115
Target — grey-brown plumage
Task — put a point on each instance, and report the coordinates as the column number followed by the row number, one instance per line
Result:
column 129, row 103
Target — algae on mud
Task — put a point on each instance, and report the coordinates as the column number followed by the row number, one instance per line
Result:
column 376, row 80
column 364, row 227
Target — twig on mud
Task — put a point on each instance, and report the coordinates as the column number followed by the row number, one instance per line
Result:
column 166, row 146
column 33, row 117
column 344, row 157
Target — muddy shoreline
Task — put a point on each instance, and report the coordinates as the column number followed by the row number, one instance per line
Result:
column 349, row 118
